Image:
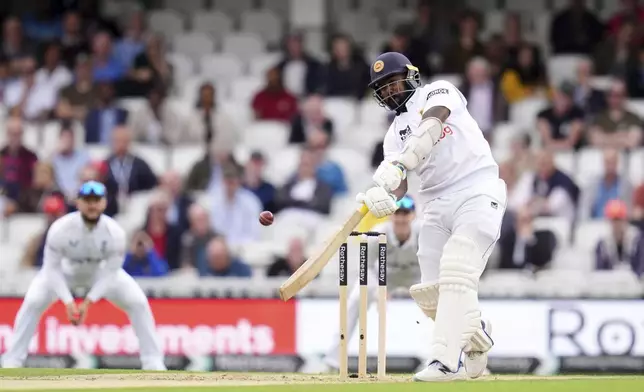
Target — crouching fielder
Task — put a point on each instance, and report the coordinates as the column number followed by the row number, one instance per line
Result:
column 85, row 249
column 462, row 201
column 402, row 264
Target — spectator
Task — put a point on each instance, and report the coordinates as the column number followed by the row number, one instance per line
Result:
column 76, row 99
column 327, row 171
column 561, row 126
column 6, row 77
column 43, row 186
column 73, row 41
column 54, row 72
column 17, row 161
column 196, row 238
column 68, row 162
column 586, row 97
column 234, row 209
column 26, row 97
column 496, row 55
column 524, row 79
column 347, row 74
column 157, row 121
column 575, row 30
column 609, row 186
column 93, row 22
column 287, row 265
column 466, row 47
column 53, row 207
column 180, row 201
column 133, row 41
column 299, row 71
column 612, row 54
column 14, row 44
column 616, row 127
column 151, row 68
column 401, row 41
column 142, row 260
column 211, row 123
column 166, row 237
column 622, row 248
column 274, row 102
column 7, row 206
column 207, row 173
column 106, row 68
column 305, row 194
column 431, row 29
column 526, row 247
column 127, row 173
column 485, row 101
column 552, row 193
column 42, row 24
column 310, row 119
column 255, row 182
column 638, row 205
column 631, row 12
column 634, row 77
column 512, row 38
column 220, row 263
column 104, row 117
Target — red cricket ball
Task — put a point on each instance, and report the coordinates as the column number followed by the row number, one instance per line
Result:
column 266, row 218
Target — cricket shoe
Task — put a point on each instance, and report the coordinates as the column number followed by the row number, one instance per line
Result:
column 475, row 360
column 437, row 372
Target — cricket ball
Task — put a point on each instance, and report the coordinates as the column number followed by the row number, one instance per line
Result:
column 266, row 218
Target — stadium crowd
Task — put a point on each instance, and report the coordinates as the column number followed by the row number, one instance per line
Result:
column 78, row 69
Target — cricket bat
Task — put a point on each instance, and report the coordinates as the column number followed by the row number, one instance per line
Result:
column 316, row 263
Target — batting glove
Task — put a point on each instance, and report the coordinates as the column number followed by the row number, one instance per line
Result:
column 389, row 176
column 380, row 202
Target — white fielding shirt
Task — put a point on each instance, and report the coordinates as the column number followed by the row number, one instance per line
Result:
column 460, row 159
column 77, row 254
column 402, row 258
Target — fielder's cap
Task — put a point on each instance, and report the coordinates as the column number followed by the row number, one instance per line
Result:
column 92, row 188
column 406, row 204
column 615, row 209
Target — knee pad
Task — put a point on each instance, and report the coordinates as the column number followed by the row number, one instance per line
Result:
column 460, row 266
column 426, row 297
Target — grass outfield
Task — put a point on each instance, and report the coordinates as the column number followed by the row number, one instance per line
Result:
column 75, row 380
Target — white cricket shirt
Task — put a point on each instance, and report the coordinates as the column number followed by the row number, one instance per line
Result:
column 460, row 159
column 402, row 258
column 74, row 253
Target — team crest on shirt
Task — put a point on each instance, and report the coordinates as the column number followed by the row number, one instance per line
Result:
column 404, row 134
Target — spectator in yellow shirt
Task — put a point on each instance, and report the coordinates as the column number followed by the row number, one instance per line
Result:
column 526, row 78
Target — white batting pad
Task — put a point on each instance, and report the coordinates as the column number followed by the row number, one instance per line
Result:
column 458, row 316
column 426, row 297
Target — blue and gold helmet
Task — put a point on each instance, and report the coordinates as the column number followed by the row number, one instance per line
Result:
column 393, row 80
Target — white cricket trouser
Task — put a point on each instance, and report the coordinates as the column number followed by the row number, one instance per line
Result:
column 474, row 214
column 124, row 292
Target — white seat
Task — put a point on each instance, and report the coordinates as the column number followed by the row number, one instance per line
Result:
column 233, row 8
column 155, row 156
column 399, row 17
column 602, row 83
column 494, row 21
column 259, row 65
column 354, row 163
column 636, row 106
column 361, row 137
column 524, row 113
column 341, row 111
column 267, row 136
column 528, row 6
column 182, row 66
column 560, row 227
column 504, row 133
column 221, row 66
column 243, row 45
column 565, row 161
column 560, row 284
column 258, row 254
column 165, row 22
column 185, row 157
column 614, row 284
column 512, row 284
column 11, row 256
column 358, row 25
column 588, row 233
column 215, row 23
column 636, row 167
column 132, row 104
column 194, row 45
column 187, row 7
column 563, row 68
column 243, row 89
column 190, row 89
column 282, row 164
column 264, row 23
column 97, row 152
column 370, row 112
column 454, row 79
column 135, row 210
column 592, row 162
column 21, row 227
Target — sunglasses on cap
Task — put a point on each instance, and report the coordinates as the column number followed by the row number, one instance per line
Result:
column 92, row 188
column 406, row 203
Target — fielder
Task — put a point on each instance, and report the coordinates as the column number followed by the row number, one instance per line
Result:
column 462, row 201
column 402, row 266
column 85, row 249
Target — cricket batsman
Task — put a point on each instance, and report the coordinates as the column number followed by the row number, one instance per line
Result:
column 85, row 249
column 461, row 201
column 402, row 266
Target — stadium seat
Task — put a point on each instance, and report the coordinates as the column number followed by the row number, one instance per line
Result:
column 563, row 68
column 243, row 89
column 221, row 66
column 187, row 7
column 265, row 24
column 454, row 79
column 602, row 83
column 183, row 158
column 588, row 233
column 507, row 284
column 524, row 113
column 259, row 254
column 194, row 45
column 97, row 152
column 282, row 164
column 371, row 113
column 527, row 6
column 361, row 137
column 354, row 163
column 12, row 254
column 21, row 227
column 614, row 284
column 215, row 23
column 233, row 8
column 166, row 22
column 267, row 136
column 592, row 162
column 119, row 9
column 560, row 284
column 341, row 111
column 494, row 21
column 135, row 210
column 636, row 167
column 399, row 17
column 636, row 106
column 259, row 65
column 158, row 157
column 243, row 45
column 358, row 25
column 182, row 67
column 566, row 161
